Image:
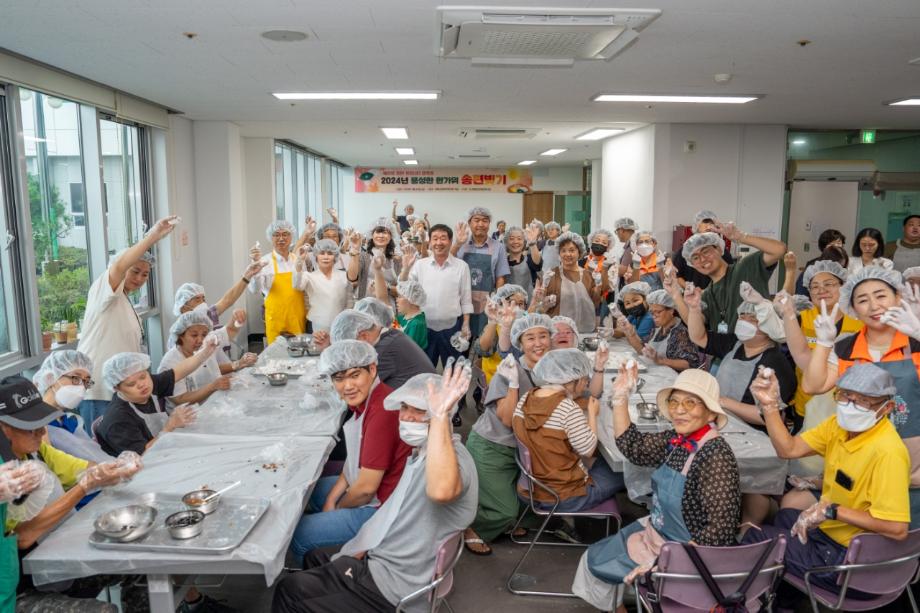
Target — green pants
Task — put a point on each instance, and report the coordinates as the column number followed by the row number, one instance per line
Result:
column 499, row 505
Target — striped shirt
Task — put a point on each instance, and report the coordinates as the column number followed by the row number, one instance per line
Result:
column 572, row 420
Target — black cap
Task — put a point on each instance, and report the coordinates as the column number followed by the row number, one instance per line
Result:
column 21, row 406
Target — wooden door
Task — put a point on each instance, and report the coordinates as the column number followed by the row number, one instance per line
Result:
column 537, row 205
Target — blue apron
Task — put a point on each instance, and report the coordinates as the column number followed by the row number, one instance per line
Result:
column 482, row 281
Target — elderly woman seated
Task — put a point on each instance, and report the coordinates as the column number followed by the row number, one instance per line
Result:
column 697, row 492
column 561, row 437
column 669, row 344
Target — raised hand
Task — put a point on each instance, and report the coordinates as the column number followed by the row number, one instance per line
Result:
column 550, row 301
column 508, row 369
column 255, row 267
column 784, row 303
column 455, row 381
column 910, row 294
column 789, row 261
column 310, row 225
column 749, row 294
column 730, row 231
column 532, row 233
column 601, row 355
column 565, row 228
column 354, row 242
column 693, row 297
column 377, row 262
column 625, row 383
column 491, row 311
column 506, row 314
column 238, row 318
column 255, row 253
column 333, row 215
column 826, row 325
column 409, row 257
column 765, row 388
column 461, row 232
column 624, row 326
column 903, row 319
column 164, row 226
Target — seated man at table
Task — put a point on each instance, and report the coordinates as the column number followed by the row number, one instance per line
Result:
column 866, row 472
column 375, row 458
column 394, row 554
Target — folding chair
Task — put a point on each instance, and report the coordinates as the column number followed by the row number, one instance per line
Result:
column 874, row 564
column 676, row 584
column 606, row 510
column 443, row 578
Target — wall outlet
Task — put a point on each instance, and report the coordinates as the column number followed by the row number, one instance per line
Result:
column 689, row 146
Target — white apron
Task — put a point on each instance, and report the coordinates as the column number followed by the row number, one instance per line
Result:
column 353, row 435
column 575, row 302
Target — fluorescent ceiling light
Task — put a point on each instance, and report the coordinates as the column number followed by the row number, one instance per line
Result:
column 405, row 151
column 906, row 102
column 599, row 133
column 667, row 98
column 395, row 133
column 410, row 162
column 527, row 163
column 553, row 151
column 357, row 95
column 799, row 141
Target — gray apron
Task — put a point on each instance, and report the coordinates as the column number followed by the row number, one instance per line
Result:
column 520, row 275
column 575, row 302
column 352, row 434
column 482, row 278
column 550, row 254
column 660, row 347
column 155, row 422
column 734, row 376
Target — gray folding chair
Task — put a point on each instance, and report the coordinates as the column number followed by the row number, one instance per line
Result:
column 442, row 580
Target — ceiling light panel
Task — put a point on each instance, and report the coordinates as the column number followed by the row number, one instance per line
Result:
column 357, row 95
column 405, row 151
column 395, row 133
column 906, row 102
column 527, row 163
column 688, row 99
column 599, row 133
column 551, row 152
column 410, row 162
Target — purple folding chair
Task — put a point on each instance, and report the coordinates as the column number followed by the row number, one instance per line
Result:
column 442, row 580
column 874, row 564
column 606, row 510
column 676, row 584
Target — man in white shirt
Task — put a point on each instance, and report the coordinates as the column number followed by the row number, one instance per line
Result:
column 448, row 292
column 285, row 306
column 110, row 323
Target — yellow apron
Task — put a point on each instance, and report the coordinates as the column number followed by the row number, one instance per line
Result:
column 285, row 310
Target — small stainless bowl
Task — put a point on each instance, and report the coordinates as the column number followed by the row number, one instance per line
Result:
column 589, row 343
column 647, row 410
column 296, row 352
column 126, row 524
column 277, row 379
column 313, row 350
column 185, row 524
column 195, row 500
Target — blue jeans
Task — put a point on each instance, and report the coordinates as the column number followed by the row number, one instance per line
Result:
column 90, row 411
column 606, row 484
column 319, row 529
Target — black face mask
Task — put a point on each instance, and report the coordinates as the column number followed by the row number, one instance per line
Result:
column 598, row 249
column 636, row 311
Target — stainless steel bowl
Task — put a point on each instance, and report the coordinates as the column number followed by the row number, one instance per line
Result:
column 296, row 352
column 185, row 524
column 313, row 350
column 277, row 379
column 647, row 410
column 126, row 524
column 589, row 343
column 195, row 500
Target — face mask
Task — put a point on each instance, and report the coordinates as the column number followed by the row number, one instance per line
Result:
column 413, row 433
column 853, row 418
column 645, row 250
column 201, row 309
column 69, row 396
column 636, row 311
column 598, row 249
column 745, row 330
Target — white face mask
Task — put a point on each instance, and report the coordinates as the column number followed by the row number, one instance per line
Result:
column 645, row 250
column 413, row 433
column 69, row 396
column 201, row 309
column 745, row 330
column 854, row 418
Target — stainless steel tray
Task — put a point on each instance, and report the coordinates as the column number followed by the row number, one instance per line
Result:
column 224, row 529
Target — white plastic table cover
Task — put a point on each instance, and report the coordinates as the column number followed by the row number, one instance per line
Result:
column 179, row 463
column 761, row 470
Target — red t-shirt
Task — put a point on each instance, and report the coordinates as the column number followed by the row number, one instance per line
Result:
column 381, row 447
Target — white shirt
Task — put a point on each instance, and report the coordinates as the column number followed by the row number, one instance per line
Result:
column 328, row 296
column 202, row 376
column 262, row 281
column 856, row 264
column 110, row 326
column 447, row 290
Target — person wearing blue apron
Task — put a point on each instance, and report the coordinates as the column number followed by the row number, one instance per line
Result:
column 487, row 260
column 696, row 489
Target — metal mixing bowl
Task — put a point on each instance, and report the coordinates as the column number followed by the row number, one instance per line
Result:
column 185, row 524
column 277, row 379
column 647, row 410
column 195, row 500
column 589, row 343
column 126, row 524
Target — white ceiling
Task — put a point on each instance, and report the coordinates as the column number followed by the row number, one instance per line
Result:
column 857, row 60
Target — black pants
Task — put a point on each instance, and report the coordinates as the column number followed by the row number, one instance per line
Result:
column 439, row 347
column 330, row 587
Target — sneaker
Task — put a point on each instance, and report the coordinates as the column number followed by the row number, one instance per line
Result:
column 565, row 531
column 205, row 605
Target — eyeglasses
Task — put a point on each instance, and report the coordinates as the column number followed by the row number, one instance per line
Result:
column 826, row 286
column 78, row 380
column 688, row 404
column 704, row 253
column 865, row 402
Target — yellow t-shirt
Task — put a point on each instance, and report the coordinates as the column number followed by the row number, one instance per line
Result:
column 65, row 466
column 876, row 462
column 848, row 326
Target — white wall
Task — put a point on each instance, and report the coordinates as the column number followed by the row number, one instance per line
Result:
column 359, row 210
column 816, row 206
column 258, row 166
column 627, row 187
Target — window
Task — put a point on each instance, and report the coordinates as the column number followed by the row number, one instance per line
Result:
column 335, row 185
column 305, row 185
column 9, row 334
column 54, row 169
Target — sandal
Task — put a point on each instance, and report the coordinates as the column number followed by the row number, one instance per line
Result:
column 477, row 541
column 517, row 533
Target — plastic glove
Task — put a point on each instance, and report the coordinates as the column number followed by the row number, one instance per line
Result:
column 826, row 325
column 597, row 277
column 902, row 319
column 749, row 294
column 625, row 383
column 784, row 304
column 506, row 314
column 255, row 252
column 624, row 326
column 377, row 263
column 455, row 381
column 491, row 311
column 765, row 389
column 129, row 461
column 810, row 518
column 693, row 297
column 649, row 353
column 910, row 294
column 102, row 475
column 459, row 342
column 18, row 478
column 247, row 359
column 548, row 276
column 730, row 231
column 183, row 415
column 601, row 355
column 164, row 226
column 254, row 268
column 550, row 301
column 222, row 382
column 789, row 261
column 636, row 261
column 321, row 339
column 565, row 228
column 508, row 369
column 310, row 226
column 803, row 484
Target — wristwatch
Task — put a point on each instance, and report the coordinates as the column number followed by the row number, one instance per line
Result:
column 831, row 511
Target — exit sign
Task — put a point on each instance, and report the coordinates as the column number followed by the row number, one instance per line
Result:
column 867, row 137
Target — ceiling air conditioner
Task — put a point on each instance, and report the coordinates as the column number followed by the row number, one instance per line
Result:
column 522, row 36
column 480, row 133
column 830, row 170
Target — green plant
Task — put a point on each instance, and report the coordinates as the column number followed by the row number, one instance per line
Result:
column 49, row 223
column 63, row 296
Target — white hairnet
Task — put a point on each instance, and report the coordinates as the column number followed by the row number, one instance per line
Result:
column 868, row 273
column 552, row 225
column 382, row 313
column 601, row 231
column 506, row 291
column 561, row 366
column 577, row 240
column 703, row 215
column 828, row 266
column 698, row 241
column 636, row 287
column 349, row 323
column 746, row 308
column 186, row 292
column 122, row 365
column 529, row 321
column 147, row 256
column 567, row 321
column 342, row 355
column 279, row 225
column 413, row 392
column 326, row 245
column 478, row 210
column 57, row 364
column 643, row 233
column 325, row 228
column 186, row 321
column 625, row 223
column 536, row 222
column 412, row 291
column 911, row 273
column 384, row 222
column 661, row 298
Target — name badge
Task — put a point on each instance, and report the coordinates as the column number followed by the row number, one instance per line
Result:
column 723, row 328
